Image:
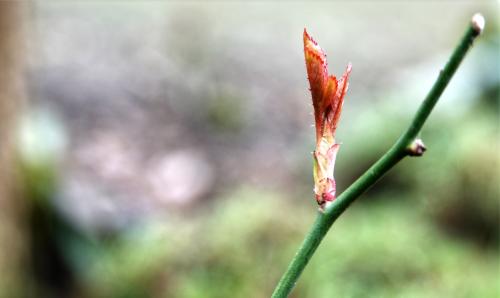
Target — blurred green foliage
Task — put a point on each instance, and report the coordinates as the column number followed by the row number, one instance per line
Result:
column 388, row 249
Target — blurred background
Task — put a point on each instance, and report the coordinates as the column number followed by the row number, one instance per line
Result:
column 154, row 149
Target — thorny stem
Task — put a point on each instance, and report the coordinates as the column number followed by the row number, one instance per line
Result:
column 396, row 153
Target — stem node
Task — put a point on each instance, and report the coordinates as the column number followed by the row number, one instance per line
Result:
column 416, row 148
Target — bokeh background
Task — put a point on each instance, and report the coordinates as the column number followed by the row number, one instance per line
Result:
column 157, row 149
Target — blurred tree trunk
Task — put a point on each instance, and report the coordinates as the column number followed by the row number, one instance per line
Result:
column 11, row 98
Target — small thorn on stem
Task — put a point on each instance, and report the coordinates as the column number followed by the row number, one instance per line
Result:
column 478, row 23
column 416, row 148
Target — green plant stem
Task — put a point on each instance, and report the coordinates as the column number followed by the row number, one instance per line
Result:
column 396, row 153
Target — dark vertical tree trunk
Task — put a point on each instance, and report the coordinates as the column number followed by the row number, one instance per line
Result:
column 11, row 97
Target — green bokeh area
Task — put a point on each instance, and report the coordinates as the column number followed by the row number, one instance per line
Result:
column 386, row 248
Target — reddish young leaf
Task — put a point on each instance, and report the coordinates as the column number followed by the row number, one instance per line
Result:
column 327, row 97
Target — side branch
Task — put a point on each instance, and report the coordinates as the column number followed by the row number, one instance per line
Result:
column 404, row 146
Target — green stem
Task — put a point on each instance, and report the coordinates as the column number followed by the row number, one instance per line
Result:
column 396, row 153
